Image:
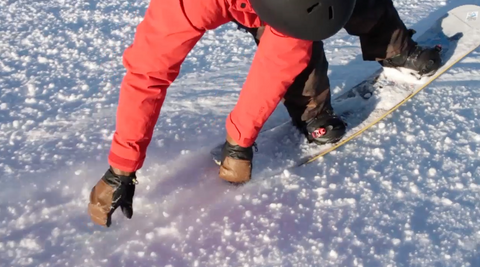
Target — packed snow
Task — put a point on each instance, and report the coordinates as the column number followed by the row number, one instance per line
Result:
column 404, row 193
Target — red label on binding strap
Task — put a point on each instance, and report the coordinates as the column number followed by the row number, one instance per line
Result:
column 319, row 132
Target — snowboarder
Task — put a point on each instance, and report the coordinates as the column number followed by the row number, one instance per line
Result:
column 289, row 66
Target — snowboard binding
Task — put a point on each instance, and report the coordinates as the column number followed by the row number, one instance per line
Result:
column 420, row 61
column 325, row 128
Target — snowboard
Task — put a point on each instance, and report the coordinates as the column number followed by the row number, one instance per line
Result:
column 370, row 101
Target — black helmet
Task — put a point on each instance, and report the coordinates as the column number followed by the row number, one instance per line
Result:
column 305, row 19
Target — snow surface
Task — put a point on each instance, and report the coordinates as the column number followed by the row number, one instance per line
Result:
column 402, row 194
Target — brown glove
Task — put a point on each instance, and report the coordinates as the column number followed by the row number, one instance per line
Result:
column 111, row 192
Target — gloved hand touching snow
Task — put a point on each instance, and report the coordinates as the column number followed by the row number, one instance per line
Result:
column 112, row 191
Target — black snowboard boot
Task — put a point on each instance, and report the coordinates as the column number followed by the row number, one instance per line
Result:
column 324, row 128
column 425, row 61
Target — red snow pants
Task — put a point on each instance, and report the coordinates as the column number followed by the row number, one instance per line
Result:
column 168, row 32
